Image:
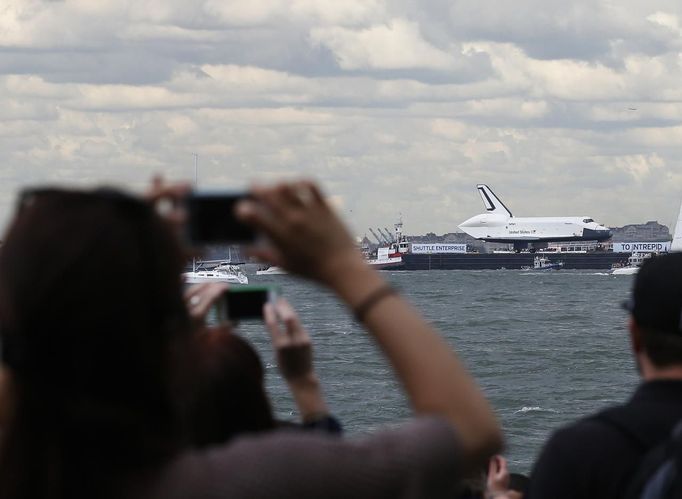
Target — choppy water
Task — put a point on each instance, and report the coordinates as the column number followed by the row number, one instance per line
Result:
column 547, row 348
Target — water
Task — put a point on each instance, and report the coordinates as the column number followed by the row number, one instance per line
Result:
column 547, row 348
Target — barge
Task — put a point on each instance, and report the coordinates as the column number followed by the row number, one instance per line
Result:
column 597, row 260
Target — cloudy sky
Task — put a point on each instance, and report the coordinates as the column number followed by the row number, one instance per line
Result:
column 396, row 106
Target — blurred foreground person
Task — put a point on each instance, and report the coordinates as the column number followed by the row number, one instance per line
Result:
column 231, row 370
column 99, row 364
column 600, row 455
column 95, row 342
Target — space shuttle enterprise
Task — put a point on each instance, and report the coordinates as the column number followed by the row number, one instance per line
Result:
column 500, row 226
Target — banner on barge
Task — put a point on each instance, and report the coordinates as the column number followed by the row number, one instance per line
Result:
column 649, row 247
column 428, row 249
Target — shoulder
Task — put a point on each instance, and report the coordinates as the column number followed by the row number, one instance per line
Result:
column 569, row 446
column 420, row 457
column 580, row 459
column 593, row 432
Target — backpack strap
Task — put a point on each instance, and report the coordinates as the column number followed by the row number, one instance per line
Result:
column 658, row 471
column 628, row 429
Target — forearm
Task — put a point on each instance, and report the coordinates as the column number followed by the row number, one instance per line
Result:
column 308, row 397
column 6, row 396
column 435, row 380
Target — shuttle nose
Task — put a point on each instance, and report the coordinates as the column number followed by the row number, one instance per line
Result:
column 471, row 222
column 600, row 234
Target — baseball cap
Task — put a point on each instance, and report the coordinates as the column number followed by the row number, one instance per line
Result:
column 656, row 298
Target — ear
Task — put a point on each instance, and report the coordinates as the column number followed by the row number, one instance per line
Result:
column 635, row 336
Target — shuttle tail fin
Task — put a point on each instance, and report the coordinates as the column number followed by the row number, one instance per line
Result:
column 677, row 235
column 492, row 203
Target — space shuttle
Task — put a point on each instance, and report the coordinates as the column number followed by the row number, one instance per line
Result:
column 498, row 225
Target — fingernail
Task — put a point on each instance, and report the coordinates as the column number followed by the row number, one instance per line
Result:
column 244, row 209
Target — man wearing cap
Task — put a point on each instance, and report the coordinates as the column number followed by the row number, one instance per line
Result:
column 598, row 456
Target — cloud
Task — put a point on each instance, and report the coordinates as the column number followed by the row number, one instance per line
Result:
column 586, row 29
column 397, row 106
column 395, row 45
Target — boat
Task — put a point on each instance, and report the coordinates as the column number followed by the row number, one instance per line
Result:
column 224, row 273
column 470, row 260
column 634, row 262
column 543, row 263
column 390, row 257
column 233, row 269
column 627, row 270
column 271, row 270
column 386, row 260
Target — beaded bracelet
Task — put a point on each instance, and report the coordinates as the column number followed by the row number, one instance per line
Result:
column 361, row 310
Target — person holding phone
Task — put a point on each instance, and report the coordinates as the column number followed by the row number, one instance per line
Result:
column 232, row 370
column 99, row 363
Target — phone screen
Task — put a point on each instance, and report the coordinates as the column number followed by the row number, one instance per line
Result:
column 211, row 219
column 246, row 302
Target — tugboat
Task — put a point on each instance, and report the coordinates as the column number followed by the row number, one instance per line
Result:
column 390, row 257
column 543, row 263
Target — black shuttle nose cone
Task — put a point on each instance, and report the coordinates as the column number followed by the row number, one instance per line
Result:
column 597, row 235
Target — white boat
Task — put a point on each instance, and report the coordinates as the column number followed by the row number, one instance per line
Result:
column 271, row 270
column 628, row 270
column 637, row 259
column 543, row 263
column 225, row 273
column 632, row 267
column 390, row 257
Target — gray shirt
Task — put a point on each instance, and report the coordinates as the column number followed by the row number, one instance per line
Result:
column 419, row 459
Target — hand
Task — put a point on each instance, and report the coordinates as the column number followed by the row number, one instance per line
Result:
column 497, row 483
column 510, row 494
column 200, row 298
column 292, row 343
column 307, row 237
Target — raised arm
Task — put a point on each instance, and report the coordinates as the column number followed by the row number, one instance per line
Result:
column 294, row 352
column 309, row 239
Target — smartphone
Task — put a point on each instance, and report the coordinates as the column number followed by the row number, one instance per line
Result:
column 245, row 302
column 211, row 219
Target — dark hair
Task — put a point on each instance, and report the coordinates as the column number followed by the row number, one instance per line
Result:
column 230, row 392
column 656, row 306
column 663, row 348
column 94, row 330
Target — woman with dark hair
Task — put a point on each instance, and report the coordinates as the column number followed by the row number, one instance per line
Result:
column 229, row 391
column 99, row 357
column 94, row 331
